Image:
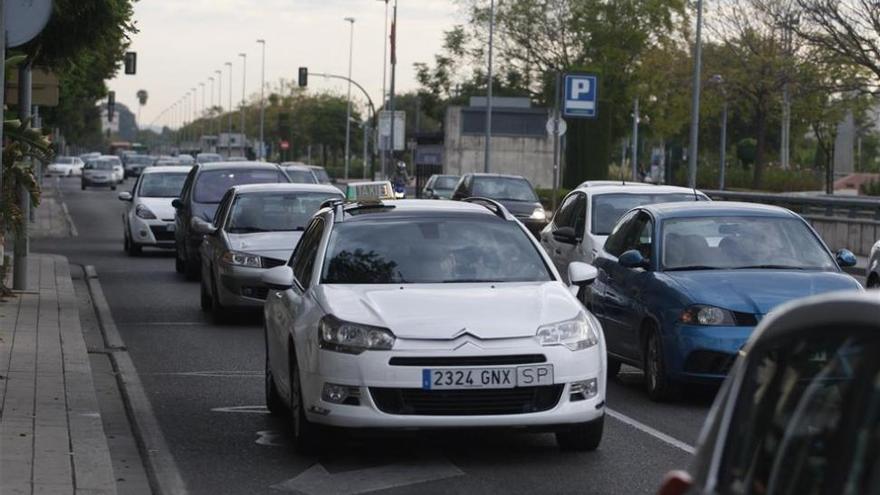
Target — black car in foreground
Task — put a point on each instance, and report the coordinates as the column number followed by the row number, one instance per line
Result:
column 202, row 191
column 513, row 191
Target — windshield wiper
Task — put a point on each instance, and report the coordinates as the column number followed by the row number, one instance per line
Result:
column 691, row 267
column 770, row 267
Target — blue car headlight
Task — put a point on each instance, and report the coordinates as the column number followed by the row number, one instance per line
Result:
column 576, row 334
column 700, row 314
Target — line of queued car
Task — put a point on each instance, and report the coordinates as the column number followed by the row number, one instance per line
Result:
column 483, row 311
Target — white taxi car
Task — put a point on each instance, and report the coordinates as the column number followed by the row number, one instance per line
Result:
column 431, row 314
column 148, row 219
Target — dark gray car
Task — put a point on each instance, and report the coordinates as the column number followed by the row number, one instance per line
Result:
column 256, row 227
column 513, row 191
column 204, row 188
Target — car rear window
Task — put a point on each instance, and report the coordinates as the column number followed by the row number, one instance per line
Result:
column 212, row 184
column 445, row 182
column 504, row 188
column 161, row 185
column 300, row 176
column 608, row 208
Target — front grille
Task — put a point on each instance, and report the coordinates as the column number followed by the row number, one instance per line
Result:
column 415, row 401
column 709, row 362
column 161, row 233
column 745, row 319
column 271, row 262
column 468, row 360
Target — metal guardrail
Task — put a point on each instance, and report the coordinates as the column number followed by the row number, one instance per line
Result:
column 824, row 206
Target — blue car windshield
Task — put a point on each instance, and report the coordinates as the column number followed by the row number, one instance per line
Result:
column 748, row 242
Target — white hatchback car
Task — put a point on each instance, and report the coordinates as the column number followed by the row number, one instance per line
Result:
column 431, row 314
column 148, row 219
column 587, row 215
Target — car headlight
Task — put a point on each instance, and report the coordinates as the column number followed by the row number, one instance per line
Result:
column 238, row 258
column 143, row 212
column 576, row 334
column 539, row 214
column 352, row 338
column 700, row 314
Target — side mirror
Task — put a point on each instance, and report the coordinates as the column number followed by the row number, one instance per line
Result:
column 581, row 274
column 177, row 203
column 125, row 196
column 566, row 235
column 846, row 258
column 632, row 259
column 201, row 227
column 676, row 483
column 278, row 278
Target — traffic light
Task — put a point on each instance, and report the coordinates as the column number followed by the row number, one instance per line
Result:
column 303, row 77
column 111, row 105
column 131, row 62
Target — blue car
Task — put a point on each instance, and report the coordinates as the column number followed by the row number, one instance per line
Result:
column 681, row 286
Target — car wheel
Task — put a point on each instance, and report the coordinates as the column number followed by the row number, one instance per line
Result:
column 219, row 313
column 274, row 402
column 613, row 367
column 205, row 300
column 113, row 188
column 83, row 186
column 582, row 436
column 306, row 435
column 192, row 268
column 178, row 263
column 873, row 281
column 657, row 382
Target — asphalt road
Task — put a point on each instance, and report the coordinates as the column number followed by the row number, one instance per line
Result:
column 205, row 383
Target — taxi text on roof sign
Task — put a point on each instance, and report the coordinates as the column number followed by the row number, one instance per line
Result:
column 369, row 191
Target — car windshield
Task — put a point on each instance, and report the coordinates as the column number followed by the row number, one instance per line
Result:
column 64, row 160
column 186, row 159
column 322, row 176
column 431, row 250
column 209, row 158
column 161, row 185
column 608, row 208
column 300, row 176
column 212, row 184
column 100, row 165
column 275, row 211
column 139, row 160
column 504, row 188
column 445, row 182
column 742, row 242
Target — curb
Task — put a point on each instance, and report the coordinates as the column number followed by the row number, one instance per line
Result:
column 71, row 227
column 165, row 479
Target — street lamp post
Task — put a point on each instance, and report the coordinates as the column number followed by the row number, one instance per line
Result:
column 262, row 99
column 719, row 80
column 488, row 152
column 202, row 113
column 350, row 21
column 243, row 98
column 695, row 103
column 635, row 141
column 229, row 119
column 219, row 102
column 393, row 75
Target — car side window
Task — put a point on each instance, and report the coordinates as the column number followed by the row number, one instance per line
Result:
column 303, row 259
column 220, row 214
column 616, row 242
column 187, row 185
column 641, row 235
column 563, row 216
column 579, row 216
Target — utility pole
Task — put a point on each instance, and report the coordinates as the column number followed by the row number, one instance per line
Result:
column 20, row 248
column 2, row 104
column 261, row 153
column 635, row 141
column 202, row 114
column 243, row 98
column 723, row 144
column 384, row 70
column 695, row 102
column 488, row 151
column 219, row 103
column 229, row 119
column 555, row 140
column 349, row 20
column 393, row 74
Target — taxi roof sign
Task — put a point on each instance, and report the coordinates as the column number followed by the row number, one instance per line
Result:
column 369, row 191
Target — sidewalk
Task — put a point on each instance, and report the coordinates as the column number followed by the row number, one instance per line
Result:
column 51, row 218
column 51, row 434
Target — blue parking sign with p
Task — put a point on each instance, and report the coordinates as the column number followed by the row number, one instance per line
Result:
column 580, row 96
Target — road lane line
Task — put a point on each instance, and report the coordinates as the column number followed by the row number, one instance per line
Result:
column 659, row 435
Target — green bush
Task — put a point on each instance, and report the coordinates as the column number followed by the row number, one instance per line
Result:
column 871, row 188
column 746, row 150
column 737, row 178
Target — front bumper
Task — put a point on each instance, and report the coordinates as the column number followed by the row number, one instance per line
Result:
column 241, row 286
column 98, row 182
column 703, row 354
column 371, row 374
column 157, row 233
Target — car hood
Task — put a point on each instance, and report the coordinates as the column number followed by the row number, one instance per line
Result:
column 756, row 291
column 445, row 311
column 277, row 245
column 520, row 208
column 161, row 207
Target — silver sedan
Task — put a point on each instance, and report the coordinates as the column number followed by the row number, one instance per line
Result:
column 256, row 227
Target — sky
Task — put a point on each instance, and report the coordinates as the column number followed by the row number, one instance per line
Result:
column 181, row 43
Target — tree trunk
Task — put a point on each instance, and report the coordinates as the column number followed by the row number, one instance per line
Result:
column 761, row 138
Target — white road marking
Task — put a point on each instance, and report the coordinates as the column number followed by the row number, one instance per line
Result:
column 271, row 438
column 317, row 481
column 659, row 435
column 242, row 409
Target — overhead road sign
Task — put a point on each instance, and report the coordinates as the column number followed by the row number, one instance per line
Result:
column 580, row 96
